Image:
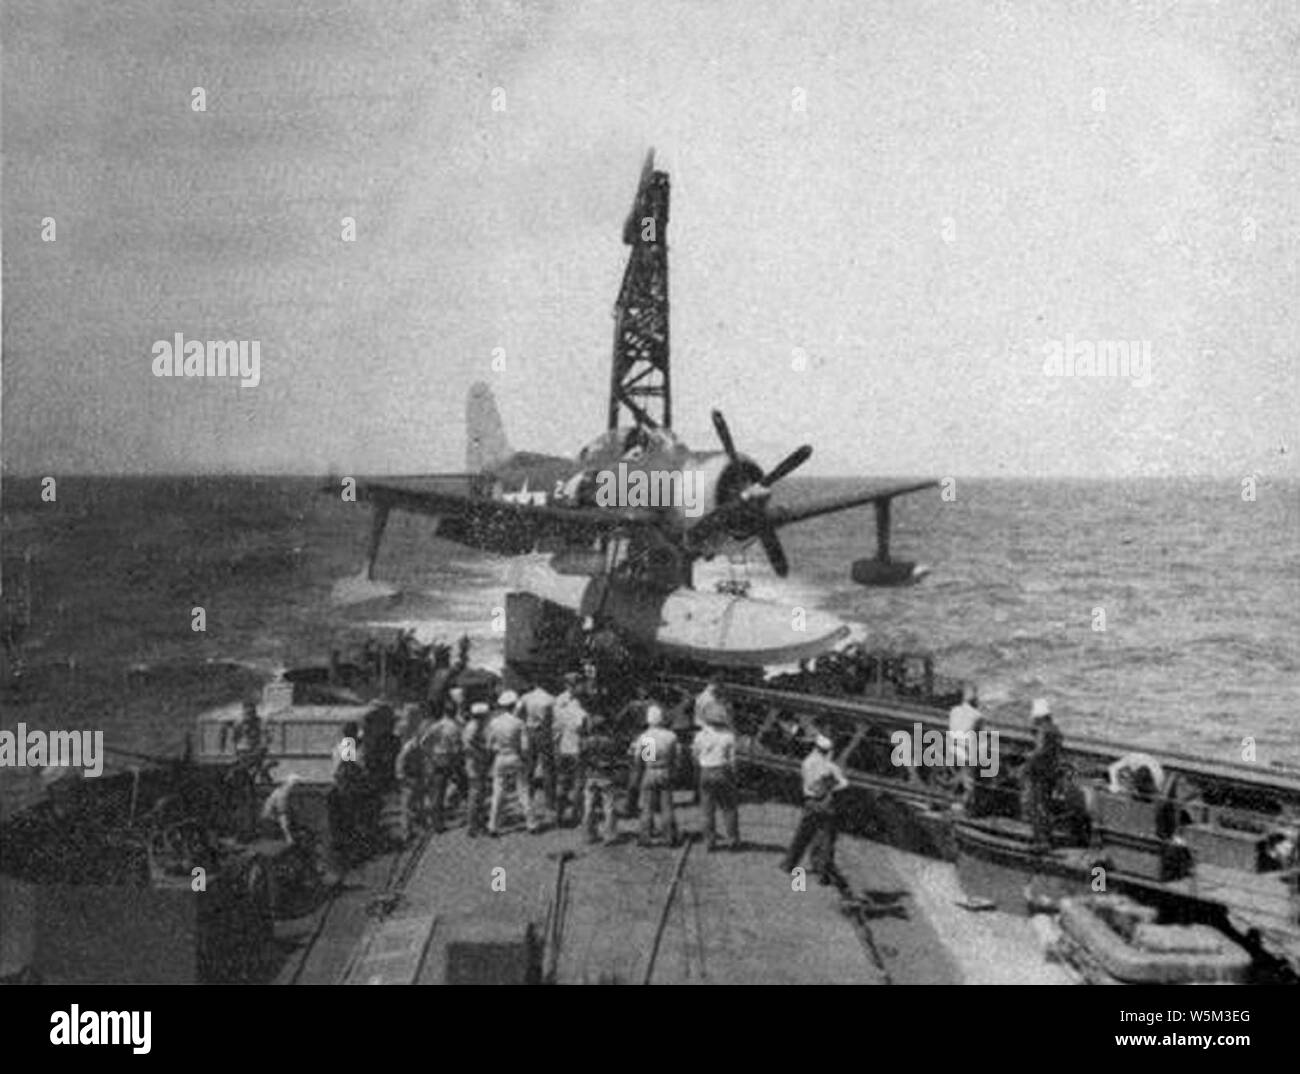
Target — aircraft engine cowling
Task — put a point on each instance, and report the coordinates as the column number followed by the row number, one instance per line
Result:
column 720, row 481
column 739, row 494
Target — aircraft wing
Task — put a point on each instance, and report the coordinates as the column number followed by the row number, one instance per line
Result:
column 783, row 516
column 500, row 526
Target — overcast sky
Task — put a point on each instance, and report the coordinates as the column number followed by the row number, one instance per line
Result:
column 963, row 184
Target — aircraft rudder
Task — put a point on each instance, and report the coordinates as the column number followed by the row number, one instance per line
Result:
column 485, row 436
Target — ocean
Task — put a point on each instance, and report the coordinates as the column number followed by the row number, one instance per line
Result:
column 1159, row 612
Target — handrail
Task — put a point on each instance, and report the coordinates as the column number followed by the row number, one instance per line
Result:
column 902, row 712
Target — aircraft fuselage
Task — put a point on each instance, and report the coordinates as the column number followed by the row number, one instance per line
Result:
column 626, row 468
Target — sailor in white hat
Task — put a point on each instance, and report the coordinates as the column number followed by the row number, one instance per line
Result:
column 508, row 741
column 822, row 778
column 656, row 750
column 477, row 758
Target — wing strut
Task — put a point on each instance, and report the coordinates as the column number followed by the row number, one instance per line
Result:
column 378, row 520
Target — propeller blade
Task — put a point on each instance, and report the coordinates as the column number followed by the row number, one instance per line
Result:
column 775, row 553
column 789, row 464
column 724, row 435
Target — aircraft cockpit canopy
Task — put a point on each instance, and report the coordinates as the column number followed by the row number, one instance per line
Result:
column 629, row 443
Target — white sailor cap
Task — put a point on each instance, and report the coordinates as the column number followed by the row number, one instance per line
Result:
column 508, row 700
column 823, row 743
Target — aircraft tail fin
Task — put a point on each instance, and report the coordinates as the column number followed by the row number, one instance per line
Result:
column 485, row 437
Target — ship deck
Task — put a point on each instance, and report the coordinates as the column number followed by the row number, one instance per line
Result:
column 733, row 916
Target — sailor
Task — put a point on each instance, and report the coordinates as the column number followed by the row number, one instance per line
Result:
column 412, row 771
column 379, row 749
column 457, row 707
column 601, row 757
column 822, row 778
column 441, row 677
column 371, row 661
column 347, row 796
column 633, row 716
column 710, row 708
column 441, row 742
column 656, row 750
column 1040, row 772
column 569, row 723
column 346, row 749
column 248, row 734
column 715, row 755
column 278, row 809
column 508, row 742
column 537, row 707
column 964, row 724
column 477, row 760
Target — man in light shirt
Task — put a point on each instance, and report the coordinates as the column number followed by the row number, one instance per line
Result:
column 537, row 707
column 569, row 723
column 508, row 742
column 715, row 754
column 964, row 723
column 278, row 812
column 656, row 749
column 822, row 778
column 474, row 748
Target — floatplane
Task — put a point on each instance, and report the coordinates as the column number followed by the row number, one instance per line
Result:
column 620, row 527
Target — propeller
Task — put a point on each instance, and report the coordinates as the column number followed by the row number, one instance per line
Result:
column 745, row 515
column 724, row 435
column 788, row 465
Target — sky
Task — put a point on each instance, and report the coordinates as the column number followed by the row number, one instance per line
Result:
column 884, row 216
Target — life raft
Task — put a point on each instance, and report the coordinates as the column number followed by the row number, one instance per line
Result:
column 1122, row 938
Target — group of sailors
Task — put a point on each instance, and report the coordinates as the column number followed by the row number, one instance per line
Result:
column 562, row 759
column 1039, row 772
column 1134, row 775
column 566, row 757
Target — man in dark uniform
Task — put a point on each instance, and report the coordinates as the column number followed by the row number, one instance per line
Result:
column 602, row 761
column 248, row 735
column 441, row 742
column 441, row 679
column 632, row 718
column 1039, row 774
